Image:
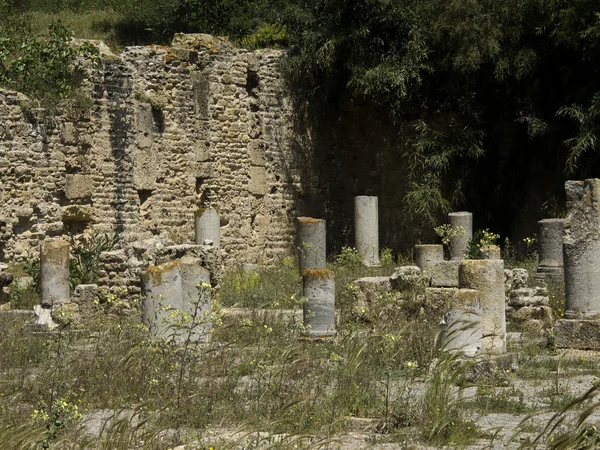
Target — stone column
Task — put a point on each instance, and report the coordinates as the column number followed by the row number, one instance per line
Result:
column 319, row 309
column 366, row 229
column 462, row 222
column 208, row 227
column 581, row 244
column 54, row 273
column 163, row 288
column 312, row 250
column 178, row 303
column 196, row 300
column 550, row 250
column 461, row 330
column 428, row 255
column 487, row 277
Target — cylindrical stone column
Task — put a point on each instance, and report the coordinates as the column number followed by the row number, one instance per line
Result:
column 462, row 225
column 461, row 329
column 311, row 244
column 196, row 301
column 581, row 246
column 366, row 229
column 54, row 273
column 319, row 309
column 550, row 250
column 208, row 227
column 163, row 289
column 487, row 277
column 428, row 255
column 490, row 252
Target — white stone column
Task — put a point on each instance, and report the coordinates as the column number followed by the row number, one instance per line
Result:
column 550, row 250
column 208, row 227
column 319, row 309
column 462, row 224
column 176, row 305
column 196, row 300
column 312, row 247
column 54, row 273
column 163, row 289
column 366, row 229
column 487, row 277
column 581, row 244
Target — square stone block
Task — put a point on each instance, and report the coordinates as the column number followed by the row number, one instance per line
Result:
column 577, row 334
column 79, row 186
column 258, row 181
column 445, row 274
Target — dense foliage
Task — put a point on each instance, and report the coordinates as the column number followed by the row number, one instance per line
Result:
column 472, row 86
column 495, row 102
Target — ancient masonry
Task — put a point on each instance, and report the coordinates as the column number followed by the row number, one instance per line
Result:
column 170, row 130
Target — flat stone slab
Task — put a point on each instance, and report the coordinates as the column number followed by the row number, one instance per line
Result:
column 577, row 334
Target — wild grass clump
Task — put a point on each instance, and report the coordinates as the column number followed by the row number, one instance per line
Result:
column 265, row 287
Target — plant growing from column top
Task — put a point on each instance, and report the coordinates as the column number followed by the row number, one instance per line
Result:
column 481, row 238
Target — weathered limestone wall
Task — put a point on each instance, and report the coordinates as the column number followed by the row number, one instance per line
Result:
column 171, row 129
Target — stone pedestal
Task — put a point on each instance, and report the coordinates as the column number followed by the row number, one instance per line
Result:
column 550, row 250
column 312, row 249
column 208, row 227
column 54, row 273
column 581, row 255
column 461, row 330
column 366, row 229
column 319, row 310
column 462, row 223
column 487, row 277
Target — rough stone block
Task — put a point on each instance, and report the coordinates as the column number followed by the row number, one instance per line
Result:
column 407, row 278
column 145, row 169
column 577, row 334
column 78, row 186
column 370, row 289
column 258, row 181
column 520, row 278
column 85, row 295
column 445, row 274
column 440, row 298
column 143, row 125
column 68, row 134
column 77, row 213
column 256, row 154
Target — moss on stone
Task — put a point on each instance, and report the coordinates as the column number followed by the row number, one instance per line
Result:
column 320, row 274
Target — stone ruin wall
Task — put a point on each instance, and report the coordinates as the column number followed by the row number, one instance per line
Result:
column 171, row 129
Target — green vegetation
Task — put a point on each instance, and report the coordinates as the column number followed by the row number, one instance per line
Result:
column 258, row 381
column 500, row 89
